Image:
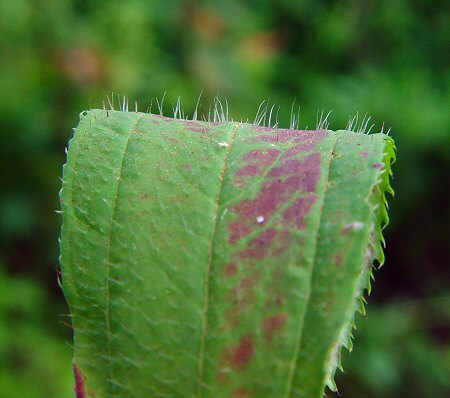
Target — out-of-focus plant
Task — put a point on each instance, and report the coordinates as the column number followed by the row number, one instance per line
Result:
column 32, row 358
column 399, row 359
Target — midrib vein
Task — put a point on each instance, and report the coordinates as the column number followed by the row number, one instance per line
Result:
column 201, row 359
column 109, row 246
column 290, row 378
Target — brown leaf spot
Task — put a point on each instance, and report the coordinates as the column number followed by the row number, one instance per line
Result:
column 298, row 136
column 249, row 171
column 258, row 247
column 193, row 123
column 291, row 176
column 281, row 244
column 273, row 324
column 235, row 313
column 305, row 147
column 230, row 269
column 249, row 281
column 241, row 297
column 295, row 214
column 258, row 161
column 262, row 156
column 239, row 356
column 199, row 129
column 279, row 301
column 262, row 128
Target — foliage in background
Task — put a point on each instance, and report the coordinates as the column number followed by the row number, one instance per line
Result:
column 386, row 57
column 33, row 362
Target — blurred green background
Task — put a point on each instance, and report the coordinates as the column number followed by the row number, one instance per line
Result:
column 389, row 58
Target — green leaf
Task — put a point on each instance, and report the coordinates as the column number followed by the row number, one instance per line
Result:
column 216, row 259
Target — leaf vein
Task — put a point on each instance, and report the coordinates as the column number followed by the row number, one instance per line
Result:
column 109, row 244
column 201, row 361
column 294, row 359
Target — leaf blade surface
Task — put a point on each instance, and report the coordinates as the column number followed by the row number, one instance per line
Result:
column 206, row 259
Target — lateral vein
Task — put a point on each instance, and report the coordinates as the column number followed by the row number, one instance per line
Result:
column 201, row 361
column 290, row 378
column 109, row 244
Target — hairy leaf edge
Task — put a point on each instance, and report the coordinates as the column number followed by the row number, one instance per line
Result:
column 374, row 252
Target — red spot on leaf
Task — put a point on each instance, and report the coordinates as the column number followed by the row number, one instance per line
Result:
column 235, row 313
column 250, row 170
column 301, row 136
column 262, row 128
column 193, row 123
column 230, row 269
column 284, row 180
column 301, row 175
column 79, row 382
column 281, row 244
column 258, row 162
column 239, row 356
column 199, row 129
column 279, row 301
column 377, row 165
column 338, row 259
column 258, row 247
column 241, row 297
column 262, row 156
column 249, row 281
column 295, row 214
column 300, row 148
column 365, row 154
column 273, row 324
